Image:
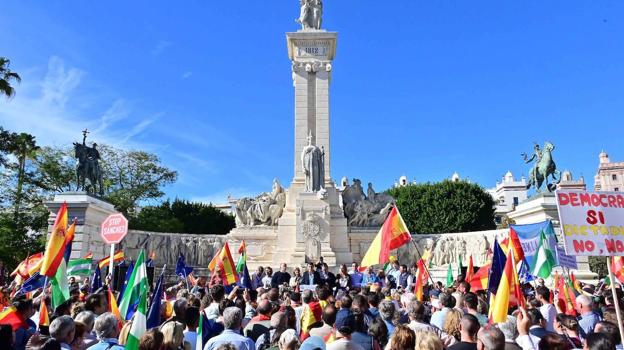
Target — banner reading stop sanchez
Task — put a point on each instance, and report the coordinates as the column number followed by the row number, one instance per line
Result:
column 592, row 223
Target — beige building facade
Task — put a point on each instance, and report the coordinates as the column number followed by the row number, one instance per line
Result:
column 610, row 175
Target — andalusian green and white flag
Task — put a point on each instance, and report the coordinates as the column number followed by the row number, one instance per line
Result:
column 449, row 276
column 199, row 344
column 139, row 323
column 544, row 258
column 136, row 287
column 79, row 267
column 59, row 285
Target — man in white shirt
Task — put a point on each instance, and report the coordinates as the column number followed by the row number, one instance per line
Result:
column 547, row 309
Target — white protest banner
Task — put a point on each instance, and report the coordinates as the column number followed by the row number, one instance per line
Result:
column 592, row 223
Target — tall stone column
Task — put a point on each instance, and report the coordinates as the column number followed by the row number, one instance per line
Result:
column 313, row 224
column 311, row 53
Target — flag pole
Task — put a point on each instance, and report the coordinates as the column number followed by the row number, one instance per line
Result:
column 616, row 301
column 111, row 264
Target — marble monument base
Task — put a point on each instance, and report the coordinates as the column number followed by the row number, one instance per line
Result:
column 89, row 212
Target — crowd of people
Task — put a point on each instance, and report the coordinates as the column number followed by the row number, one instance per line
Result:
column 317, row 309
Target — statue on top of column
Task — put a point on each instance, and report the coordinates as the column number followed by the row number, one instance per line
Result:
column 313, row 165
column 310, row 15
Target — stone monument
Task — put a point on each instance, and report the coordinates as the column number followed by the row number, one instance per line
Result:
column 313, row 223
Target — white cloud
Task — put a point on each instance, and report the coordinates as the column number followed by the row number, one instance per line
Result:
column 51, row 107
column 187, row 75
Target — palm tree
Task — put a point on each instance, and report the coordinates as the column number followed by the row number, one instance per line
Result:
column 24, row 148
column 6, row 75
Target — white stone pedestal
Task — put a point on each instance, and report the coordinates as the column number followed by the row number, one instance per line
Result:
column 312, row 226
column 90, row 212
column 543, row 207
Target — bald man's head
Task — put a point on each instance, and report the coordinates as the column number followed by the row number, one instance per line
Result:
column 264, row 308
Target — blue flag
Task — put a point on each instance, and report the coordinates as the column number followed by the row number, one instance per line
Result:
column 126, row 278
column 245, row 279
column 34, row 282
column 498, row 265
column 153, row 315
column 524, row 275
column 181, row 269
column 96, row 280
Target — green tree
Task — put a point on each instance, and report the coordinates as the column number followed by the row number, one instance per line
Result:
column 6, row 76
column 24, row 148
column 133, row 177
column 445, row 207
column 183, row 217
column 23, row 217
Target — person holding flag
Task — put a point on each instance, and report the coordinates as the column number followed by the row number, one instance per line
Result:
column 134, row 293
column 223, row 268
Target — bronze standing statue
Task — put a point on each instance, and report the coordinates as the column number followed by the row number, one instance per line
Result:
column 543, row 167
column 88, row 167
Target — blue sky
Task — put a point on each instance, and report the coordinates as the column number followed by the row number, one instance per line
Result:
column 419, row 88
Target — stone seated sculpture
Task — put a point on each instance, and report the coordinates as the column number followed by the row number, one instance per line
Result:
column 264, row 209
column 362, row 210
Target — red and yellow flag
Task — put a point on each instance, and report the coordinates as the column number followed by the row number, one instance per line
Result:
column 392, row 235
column 617, row 267
column 514, row 243
column 55, row 249
column 11, row 317
column 312, row 313
column 119, row 256
column 508, row 292
column 421, row 279
column 479, row 280
column 44, row 316
column 225, row 261
column 29, row 266
column 469, row 271
column 112, row 307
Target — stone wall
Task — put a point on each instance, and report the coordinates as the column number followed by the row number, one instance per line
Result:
column 197, row 249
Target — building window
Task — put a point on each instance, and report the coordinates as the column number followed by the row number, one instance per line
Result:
column 614, row 177
column 616, row 189
column 515, row 201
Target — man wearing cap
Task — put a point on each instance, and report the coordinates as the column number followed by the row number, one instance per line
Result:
column 344, row 328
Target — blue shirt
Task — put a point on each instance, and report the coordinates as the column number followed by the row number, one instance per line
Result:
column 229, row 336
column 356, row 279
column 23, row 334
column 587, row 323
column 370, row 279
column 108, row 343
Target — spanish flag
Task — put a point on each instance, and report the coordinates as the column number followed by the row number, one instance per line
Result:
column 469, row 271
column 312, row 313
column 225, row 261
column 421, row 279
column 55, row 249
column 44, row 317
column 119, row 256
column 617, row 267
column 392, row 235
column 514, row 243
column 112, row 307
column 29, row 266
column 479, row 280
column 11, row 317
column 508, row 292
